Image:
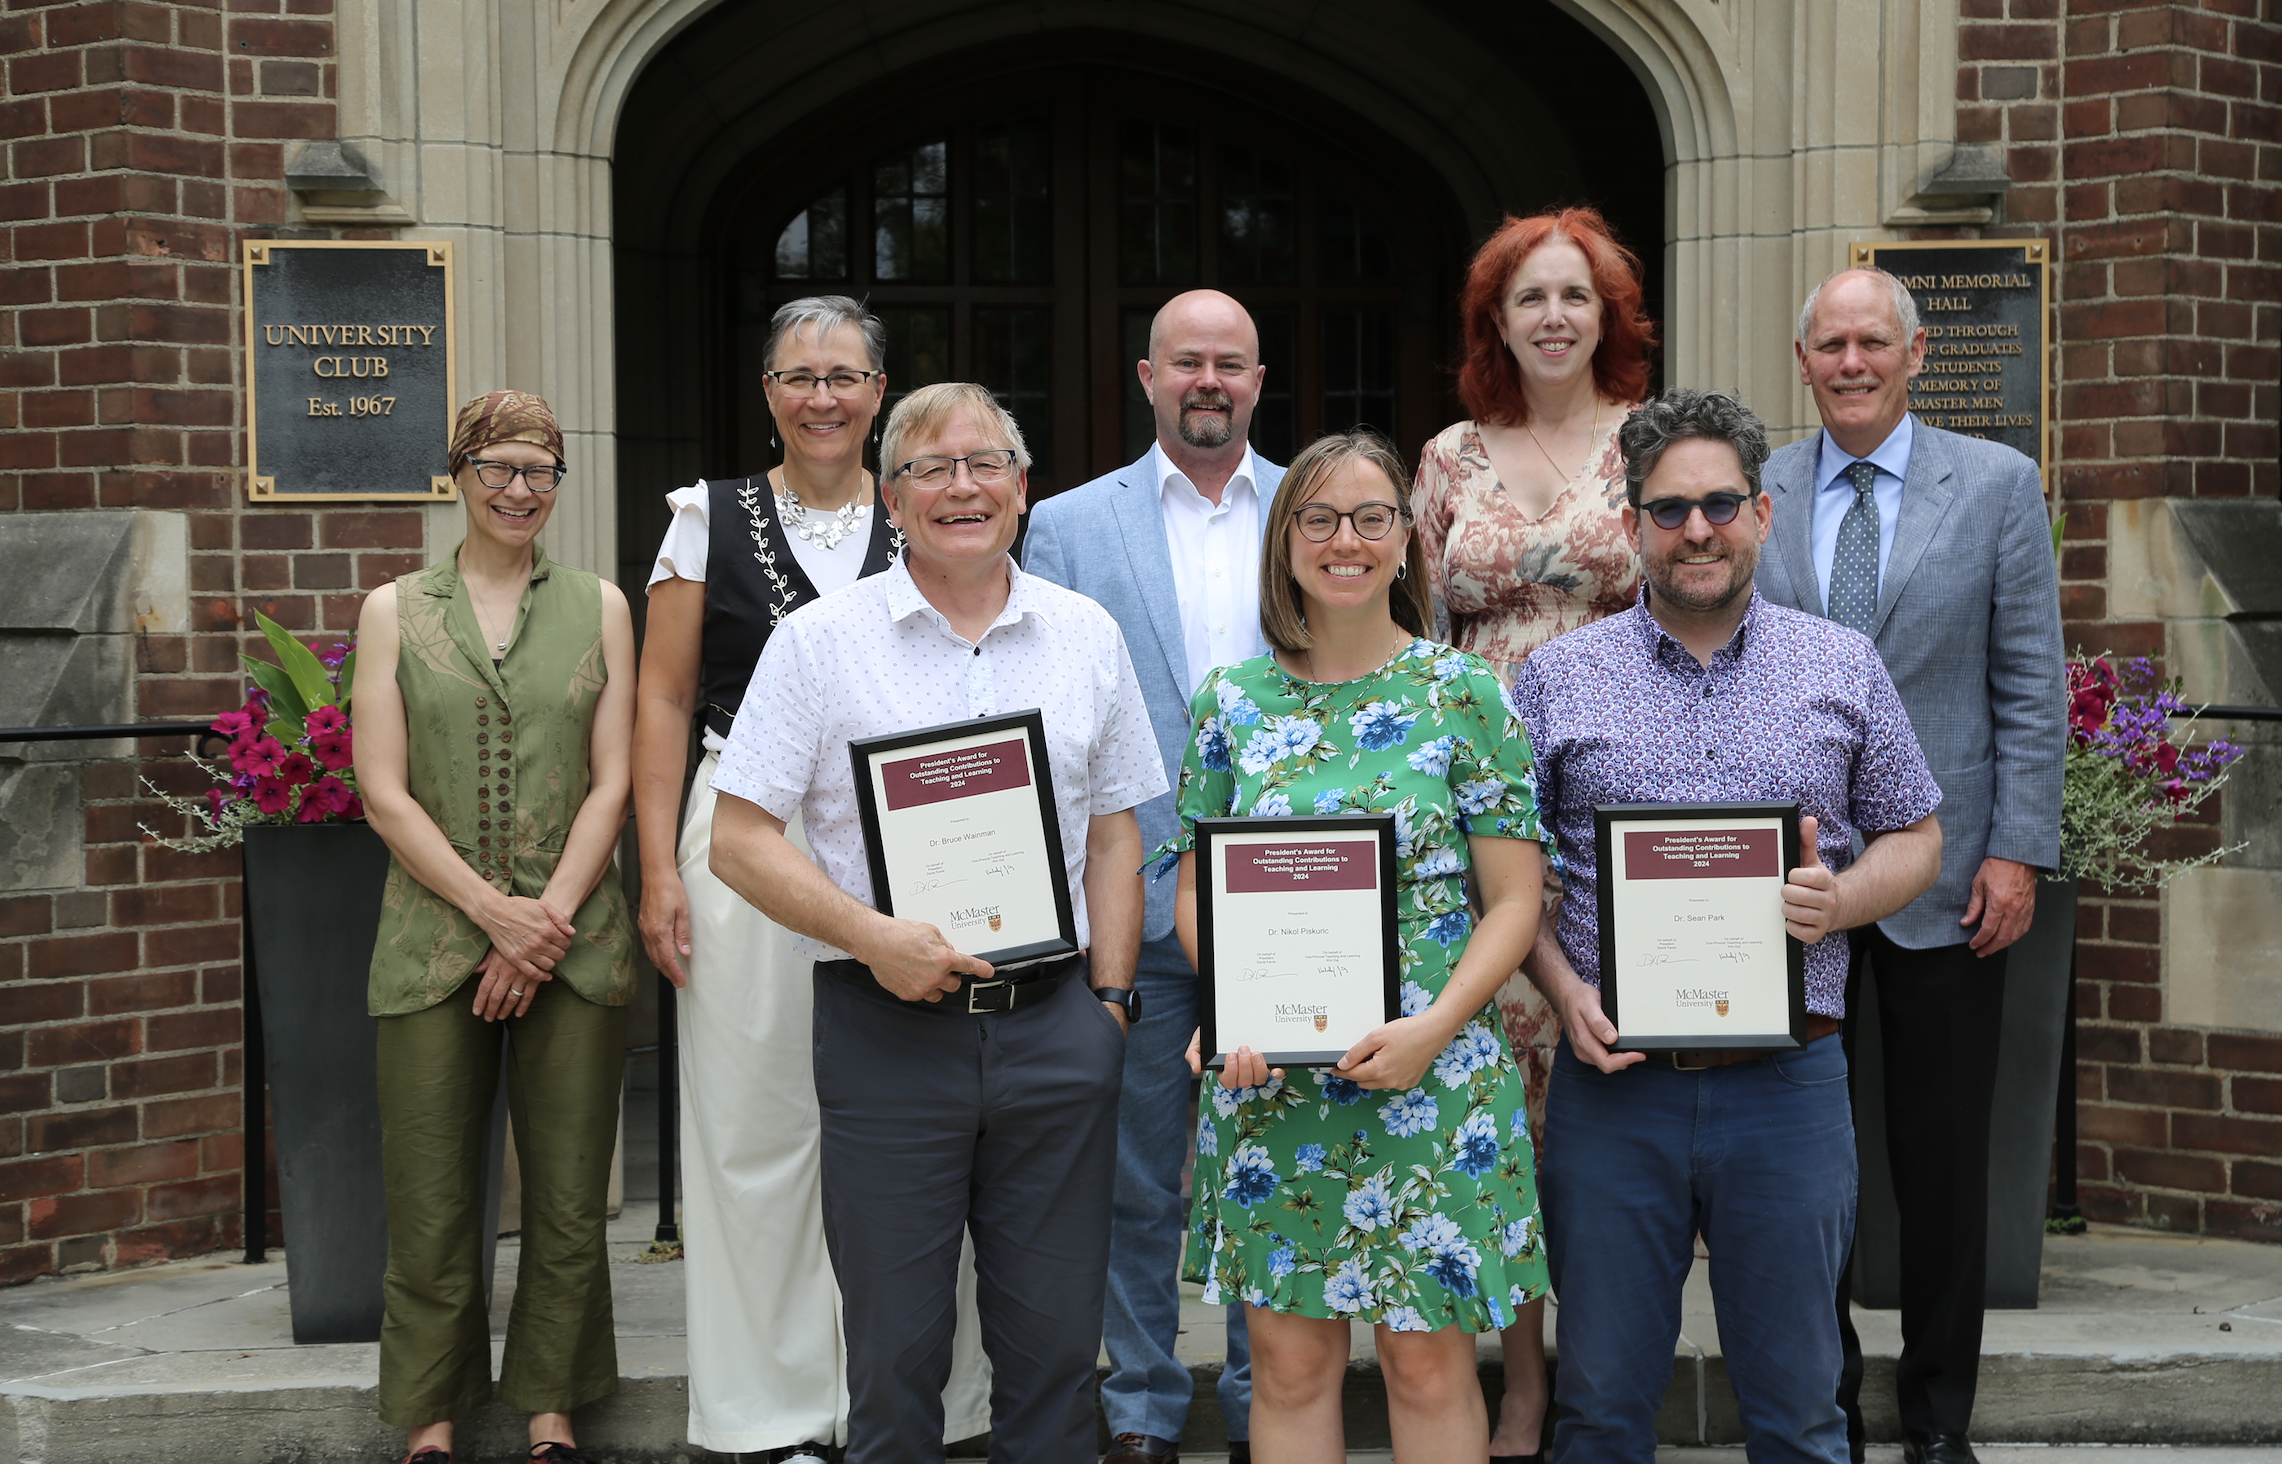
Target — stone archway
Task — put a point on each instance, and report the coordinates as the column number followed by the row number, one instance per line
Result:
column 495, row 123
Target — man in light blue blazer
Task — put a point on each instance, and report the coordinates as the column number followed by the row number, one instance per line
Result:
column 1937, row 547
column 1170, row 545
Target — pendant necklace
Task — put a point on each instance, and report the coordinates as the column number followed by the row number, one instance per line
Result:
column 823, row 530
column 1566, row 475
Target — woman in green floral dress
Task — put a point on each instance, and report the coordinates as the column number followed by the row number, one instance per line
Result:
column 1398, row 1187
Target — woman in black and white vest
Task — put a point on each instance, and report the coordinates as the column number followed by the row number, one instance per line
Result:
column 767, row 1372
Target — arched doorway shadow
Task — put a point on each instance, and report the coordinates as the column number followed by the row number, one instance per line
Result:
column 1303, row 189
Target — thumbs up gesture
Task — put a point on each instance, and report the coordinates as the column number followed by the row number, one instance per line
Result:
column 1810, row 895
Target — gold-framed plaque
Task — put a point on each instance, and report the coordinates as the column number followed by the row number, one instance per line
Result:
column 350, row 378
column 1986, row 305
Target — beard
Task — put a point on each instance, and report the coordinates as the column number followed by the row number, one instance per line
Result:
column 1662, row 576
column 1207, row 432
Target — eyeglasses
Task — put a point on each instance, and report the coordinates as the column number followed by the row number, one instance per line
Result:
column 492, row 473
column 992, row 465
column 1318, row 522
column 839, row 383
column 1719, row 508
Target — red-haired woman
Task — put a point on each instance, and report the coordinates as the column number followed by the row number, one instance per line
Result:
column 1520, row 511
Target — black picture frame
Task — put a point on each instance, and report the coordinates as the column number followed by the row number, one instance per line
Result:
column 1609, row 819
column 865, row 752
column 1212, row 835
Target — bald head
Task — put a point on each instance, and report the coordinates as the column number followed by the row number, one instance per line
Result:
column 1202, row 378
column 1870, row 279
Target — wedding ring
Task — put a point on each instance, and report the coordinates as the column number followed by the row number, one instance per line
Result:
column 511, row 991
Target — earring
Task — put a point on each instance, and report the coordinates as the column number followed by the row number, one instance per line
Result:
column 1402, row 568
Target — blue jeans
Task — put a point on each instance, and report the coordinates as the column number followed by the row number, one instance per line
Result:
column 1148, row 1388
column 1760, row 1158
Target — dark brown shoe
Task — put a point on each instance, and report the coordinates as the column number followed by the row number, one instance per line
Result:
column 1138, row 1448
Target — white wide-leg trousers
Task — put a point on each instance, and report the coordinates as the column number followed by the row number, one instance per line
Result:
column 767, row 1363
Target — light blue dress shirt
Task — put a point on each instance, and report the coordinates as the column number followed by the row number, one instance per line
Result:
column 1834, row 495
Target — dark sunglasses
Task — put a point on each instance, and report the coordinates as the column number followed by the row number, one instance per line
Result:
column 1719, row 508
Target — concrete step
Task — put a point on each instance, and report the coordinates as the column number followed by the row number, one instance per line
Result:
column 2143, row 1338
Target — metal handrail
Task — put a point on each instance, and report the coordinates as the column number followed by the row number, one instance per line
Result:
column 105, row 731
column 2233, row 714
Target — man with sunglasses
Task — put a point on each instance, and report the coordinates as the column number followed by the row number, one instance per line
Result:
column 1170, row 546
column 1937, row 547
column 1704, row 692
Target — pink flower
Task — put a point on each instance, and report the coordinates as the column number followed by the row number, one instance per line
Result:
column 296, row 769
column 329, row 798
column 326, row 719
column 272, row 795
column 336, row 750
column 239, row 723
column 214, row 802
column 258, row 756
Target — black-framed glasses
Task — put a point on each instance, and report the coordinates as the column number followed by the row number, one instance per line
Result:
column 1319, row 521
column 839, row 383
column 492, row 473
column 1719, row 508
column 991, row 465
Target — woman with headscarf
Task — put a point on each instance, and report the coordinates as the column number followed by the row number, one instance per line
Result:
column 494, row 699
column 767, row 1364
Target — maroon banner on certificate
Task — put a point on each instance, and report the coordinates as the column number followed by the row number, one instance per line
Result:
column 1253, row 868
column 935, row 777
column 1704, row 853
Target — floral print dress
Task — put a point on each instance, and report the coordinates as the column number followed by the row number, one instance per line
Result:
column 1313, row 1196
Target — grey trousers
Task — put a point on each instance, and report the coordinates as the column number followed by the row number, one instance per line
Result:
column 1003, row 1125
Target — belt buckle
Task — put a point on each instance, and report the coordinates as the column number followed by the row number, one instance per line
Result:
column 1684, row 1067
column 990, row 996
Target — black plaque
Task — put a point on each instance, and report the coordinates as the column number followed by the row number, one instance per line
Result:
column 350, row 386
column 1984, row 305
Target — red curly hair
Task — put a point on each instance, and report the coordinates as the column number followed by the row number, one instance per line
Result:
column 1489, row 379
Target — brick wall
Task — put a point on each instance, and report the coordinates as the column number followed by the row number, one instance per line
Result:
column 2145, row 140
column 143, row 142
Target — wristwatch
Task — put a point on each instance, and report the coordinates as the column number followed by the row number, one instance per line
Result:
column 1124, row 996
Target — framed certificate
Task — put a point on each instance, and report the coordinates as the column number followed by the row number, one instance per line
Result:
column 960, row 829
column 1296, row 935
column 1694, row 952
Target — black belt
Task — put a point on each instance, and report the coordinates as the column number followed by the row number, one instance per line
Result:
column 1026, row 987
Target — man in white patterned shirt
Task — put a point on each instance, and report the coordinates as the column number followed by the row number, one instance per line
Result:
column 994, row 1113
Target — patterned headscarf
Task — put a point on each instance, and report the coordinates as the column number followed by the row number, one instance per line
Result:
column 504, row 416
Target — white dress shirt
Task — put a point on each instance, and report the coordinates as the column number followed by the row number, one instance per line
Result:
column 1834, row 495
column 877, row 658
column 1216, row 564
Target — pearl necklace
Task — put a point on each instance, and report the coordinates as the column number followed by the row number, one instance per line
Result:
column 824, row 531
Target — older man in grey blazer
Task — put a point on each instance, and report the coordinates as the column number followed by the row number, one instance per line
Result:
column 1936, row 546
column 1170, row 545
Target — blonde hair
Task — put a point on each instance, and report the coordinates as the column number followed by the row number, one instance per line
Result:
column 930, row 409
column 1282, row 620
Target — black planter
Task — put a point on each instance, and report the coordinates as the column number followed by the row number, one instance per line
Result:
column 2020, row 1127
column 313, row 912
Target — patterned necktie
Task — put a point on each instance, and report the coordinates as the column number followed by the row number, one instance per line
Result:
column 1854, row 568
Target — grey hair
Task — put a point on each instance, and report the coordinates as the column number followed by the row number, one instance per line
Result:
column 1905, row 304
column 827, row 313
column 1678, row 413
column 930, row 409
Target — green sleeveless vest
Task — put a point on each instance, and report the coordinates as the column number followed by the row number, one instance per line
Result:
column 498, row 756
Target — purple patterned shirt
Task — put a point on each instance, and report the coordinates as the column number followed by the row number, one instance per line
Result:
column 1795, row 707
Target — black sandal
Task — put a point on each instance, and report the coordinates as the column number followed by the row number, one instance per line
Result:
column 554, row 1453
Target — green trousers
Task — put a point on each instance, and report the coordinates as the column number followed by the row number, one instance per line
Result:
column 439, row 1076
